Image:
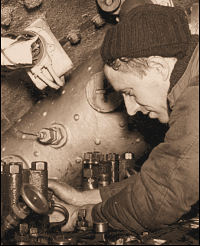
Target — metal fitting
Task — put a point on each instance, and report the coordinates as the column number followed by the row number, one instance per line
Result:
column 128, row 156
column 13, row 167
column 39, row 165
column 100, row 227
column 33, row 232
column 23, row 228
column 74, row 37
column 112, row 157
column 50, row 135
column 104, row 179
column 21, row 210
column 88, row 156
column 82, row 223
column 98, row 21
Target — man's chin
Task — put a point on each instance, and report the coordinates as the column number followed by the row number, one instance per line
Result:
column 164, row 120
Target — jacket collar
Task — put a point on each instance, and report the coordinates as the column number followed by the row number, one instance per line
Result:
column 184, row 70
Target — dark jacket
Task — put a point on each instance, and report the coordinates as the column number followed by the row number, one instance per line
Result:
column 168, row 183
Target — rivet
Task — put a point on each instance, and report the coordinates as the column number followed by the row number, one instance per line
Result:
column 45, row 113
column 78, row 160
column 23, row 136
column 76, row 117
column 97, row 141
column 36, row 153
column 122, row 124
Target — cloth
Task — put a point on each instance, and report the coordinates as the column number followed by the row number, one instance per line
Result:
column 17, row 52
column 168, row 183
column 148, row 30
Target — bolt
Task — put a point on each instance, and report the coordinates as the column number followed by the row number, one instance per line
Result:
column 13, row 167
column 109, row 2
column 98, row 21
column 74, row 37
column 39, row 165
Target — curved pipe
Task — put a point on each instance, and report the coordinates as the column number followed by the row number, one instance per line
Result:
column 64, row 212
column 54, row 75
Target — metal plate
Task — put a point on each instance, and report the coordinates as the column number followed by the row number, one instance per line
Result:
column 101, row 95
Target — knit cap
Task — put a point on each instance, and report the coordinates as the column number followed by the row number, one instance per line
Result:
column 127, row 5
column 148, row 30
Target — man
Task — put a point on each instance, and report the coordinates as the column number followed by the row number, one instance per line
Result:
column 152, row 59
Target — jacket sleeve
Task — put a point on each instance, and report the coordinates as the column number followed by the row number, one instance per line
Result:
column 168, row 183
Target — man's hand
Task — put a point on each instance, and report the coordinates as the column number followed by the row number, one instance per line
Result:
column 72, row 196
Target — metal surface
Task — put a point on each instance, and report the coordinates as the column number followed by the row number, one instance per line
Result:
column 60, row 108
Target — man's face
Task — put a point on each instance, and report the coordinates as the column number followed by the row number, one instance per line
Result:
column 147, row 94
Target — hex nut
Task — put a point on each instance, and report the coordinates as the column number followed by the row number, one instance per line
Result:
column 33, row 231
column 58, row 136
column 39, row 165
column 13, row 168
column 23, row 228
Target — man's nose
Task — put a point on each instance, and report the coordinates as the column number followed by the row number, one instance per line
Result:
column 132, row 106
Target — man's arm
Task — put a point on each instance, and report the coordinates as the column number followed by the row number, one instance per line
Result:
column 72, row 196
column 168, row 183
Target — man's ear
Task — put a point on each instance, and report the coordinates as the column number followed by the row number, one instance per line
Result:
column 160, row 65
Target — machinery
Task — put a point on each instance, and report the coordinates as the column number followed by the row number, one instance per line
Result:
column 79, row 134
column 26, row 207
